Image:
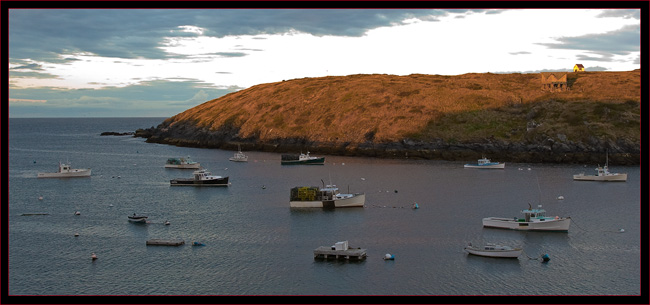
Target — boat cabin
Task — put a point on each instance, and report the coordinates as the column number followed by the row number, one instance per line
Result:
column 534, row 214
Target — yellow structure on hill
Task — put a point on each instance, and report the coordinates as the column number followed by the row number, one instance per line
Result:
column 578, row 68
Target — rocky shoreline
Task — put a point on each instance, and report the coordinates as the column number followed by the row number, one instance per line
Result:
column 621, row 152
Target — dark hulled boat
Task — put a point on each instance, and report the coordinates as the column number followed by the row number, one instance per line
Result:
column 202, row 177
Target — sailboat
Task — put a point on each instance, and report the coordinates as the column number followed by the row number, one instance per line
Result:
column 239, row 156
column 602, row 174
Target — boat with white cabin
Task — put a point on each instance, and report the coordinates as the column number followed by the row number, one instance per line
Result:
column 602, row 174
column 326, row 197
column 182, row 163
column 202, row 177
column 485, row 163
column 534, row 220
column 494, row 250
column 65, row 171
column 302, row 159
column 239, row 156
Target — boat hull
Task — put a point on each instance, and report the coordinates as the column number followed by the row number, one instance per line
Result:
column 138, row 220
column 192, row 182
column 73, row 173
column 611, row 177
column 238, row 159
column 499, row 165
column 317, row 161
column 358, row 200
column 559, row 225
column 184, row 166
column 514, row 253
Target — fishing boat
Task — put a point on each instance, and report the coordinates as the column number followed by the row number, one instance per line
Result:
column 138, row 218
column 326, row 197
column 239, row 156
column 602, row 174
column 302, row 159
column 202, row 177
column 534, row 220
column 493, row 250
column 485, row 163
column 182, row 163
column 66, row 172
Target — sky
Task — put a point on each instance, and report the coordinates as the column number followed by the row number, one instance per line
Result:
column 161, row 62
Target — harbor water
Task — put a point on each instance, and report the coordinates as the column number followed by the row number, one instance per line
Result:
column 255, row 244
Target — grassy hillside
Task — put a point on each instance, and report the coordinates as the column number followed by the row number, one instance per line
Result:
column 388, row 108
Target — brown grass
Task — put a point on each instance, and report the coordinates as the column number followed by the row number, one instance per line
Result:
column 348, row 108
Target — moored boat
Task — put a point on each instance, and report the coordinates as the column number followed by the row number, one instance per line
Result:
column 138, row 218
column 485, row 163
column 602, row 174
column 201, row 177
column 534, row 220
column 493, row 250
column 326, row 197
column 182, row 162
column 66, row 172
column 302, row 159
column 239, row 156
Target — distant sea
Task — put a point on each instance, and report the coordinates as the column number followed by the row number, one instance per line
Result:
column 255, row 244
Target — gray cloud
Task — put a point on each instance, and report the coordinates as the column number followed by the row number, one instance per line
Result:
column 152, row 98
column 620, row 42
column 627, row 14
column 44, row 34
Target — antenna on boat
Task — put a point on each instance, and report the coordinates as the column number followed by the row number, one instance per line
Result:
column 539, row 188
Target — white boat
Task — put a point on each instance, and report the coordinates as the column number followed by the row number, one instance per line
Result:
column 239, row 156
column 138, row 218
column 492, row 250
column 602, row 174
column 65, row 171
column 534, row 220
column 182, row 163
column 486, row 163
column 326, row 197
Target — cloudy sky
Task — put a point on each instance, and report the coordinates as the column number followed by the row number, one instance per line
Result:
column 160, row 62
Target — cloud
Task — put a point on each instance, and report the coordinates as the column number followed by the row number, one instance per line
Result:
column 627, row 14
column 19, row 100
column 620, row 42
column 161, row 98
column 43, row 34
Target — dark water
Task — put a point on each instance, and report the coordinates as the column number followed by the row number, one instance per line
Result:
column 257, row 245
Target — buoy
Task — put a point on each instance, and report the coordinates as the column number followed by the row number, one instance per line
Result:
column 40, row 197
column 622, row 230
column 389, row 256
column 77, row 213
column 110, row 205
column 415, row 206
column 545, row 258
column 560, row 198
column 263, row 187
column 196, row 243
column 166, row 222
column 395, row 191
column 93, row 256
column 363, row 179
column 76, row 234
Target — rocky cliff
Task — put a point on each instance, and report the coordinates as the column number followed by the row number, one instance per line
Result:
column 508, row 117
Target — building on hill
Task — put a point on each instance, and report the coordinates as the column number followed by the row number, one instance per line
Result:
column 554, row 81
column 578, row 68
